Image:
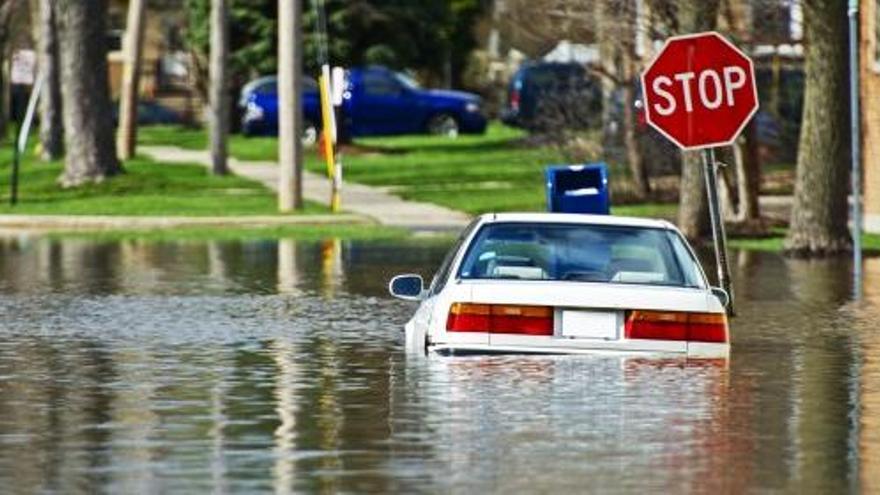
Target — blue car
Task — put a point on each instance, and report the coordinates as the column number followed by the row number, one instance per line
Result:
column 376, row 102
column 545, row 95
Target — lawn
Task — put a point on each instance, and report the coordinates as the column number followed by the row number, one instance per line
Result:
column 774, row 243
column 147, row 188
column 497, row 171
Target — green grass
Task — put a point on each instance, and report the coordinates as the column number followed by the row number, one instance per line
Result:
column 474, row 174
column 774, row 243
column 666, row 211
column 193, row 138
column 496, row 171
column 146, row 189
column 771, row 244
column 304, row 232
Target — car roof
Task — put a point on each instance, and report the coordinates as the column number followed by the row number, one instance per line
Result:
column 578, row 218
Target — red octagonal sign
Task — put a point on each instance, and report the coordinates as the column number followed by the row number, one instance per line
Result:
column 700, row 91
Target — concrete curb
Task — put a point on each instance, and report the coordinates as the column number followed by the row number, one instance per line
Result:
column 67, row 223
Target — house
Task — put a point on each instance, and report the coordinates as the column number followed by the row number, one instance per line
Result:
column 166, row 75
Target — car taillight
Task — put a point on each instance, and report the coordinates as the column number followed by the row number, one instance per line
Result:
column 514, row 99
column 500, row 318
column 674, row 325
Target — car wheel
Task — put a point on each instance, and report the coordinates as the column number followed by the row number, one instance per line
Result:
column 443, row 124
column 309, row 134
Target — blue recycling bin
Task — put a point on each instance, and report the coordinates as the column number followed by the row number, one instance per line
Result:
column 578, row 189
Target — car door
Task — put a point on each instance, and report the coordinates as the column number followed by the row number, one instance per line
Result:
column 383, row 105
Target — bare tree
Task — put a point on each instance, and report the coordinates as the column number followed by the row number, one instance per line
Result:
column 51, row 120
column 131, row 73
column 617, row 24
column 535, row 26
column 819, row 215
column 219, row 101
column 88, row 117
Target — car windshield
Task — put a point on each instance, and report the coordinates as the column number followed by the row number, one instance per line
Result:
column 407, row 81
column 580, row 252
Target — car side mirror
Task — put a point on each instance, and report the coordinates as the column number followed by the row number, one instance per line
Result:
column 408, row 287
column 722, row 295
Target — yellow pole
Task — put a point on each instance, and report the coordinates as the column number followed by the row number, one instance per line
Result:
column 329, row 141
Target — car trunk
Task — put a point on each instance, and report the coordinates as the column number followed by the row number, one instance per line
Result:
column 585, row 315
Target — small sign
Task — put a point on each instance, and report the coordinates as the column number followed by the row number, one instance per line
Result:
column 338, row 84
column 24, row 67
column 700, row 91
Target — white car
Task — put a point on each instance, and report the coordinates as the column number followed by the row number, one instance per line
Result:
column 567, row 283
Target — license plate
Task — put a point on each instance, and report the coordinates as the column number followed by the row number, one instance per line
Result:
column 590, row 324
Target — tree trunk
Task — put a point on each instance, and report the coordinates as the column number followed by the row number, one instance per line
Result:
column 88, row 117
column 819, row 214
column 749, row 176
column 126, row 137
column 219, row 94
column 51, row 121
column 616, row 31
column 693, row 209
column 748, row 161
column 7, row 11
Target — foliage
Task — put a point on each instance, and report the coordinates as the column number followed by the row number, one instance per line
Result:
column 399, row 33
column 253, row 29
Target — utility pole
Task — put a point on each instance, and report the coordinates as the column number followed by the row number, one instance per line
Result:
column 290, row 105
column 218, row 75
column 126, row 136
column 856, row 134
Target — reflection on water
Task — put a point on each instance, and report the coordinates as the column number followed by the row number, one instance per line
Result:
column 278, row 366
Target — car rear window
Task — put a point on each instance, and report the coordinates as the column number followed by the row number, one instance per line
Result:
column 555, row 77
column 580, row 252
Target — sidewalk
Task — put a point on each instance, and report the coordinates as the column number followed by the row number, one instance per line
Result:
column 373, row 202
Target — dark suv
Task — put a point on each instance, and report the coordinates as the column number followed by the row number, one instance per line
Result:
column 544, row 95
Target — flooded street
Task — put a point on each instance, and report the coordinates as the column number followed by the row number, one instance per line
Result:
column 134, row 367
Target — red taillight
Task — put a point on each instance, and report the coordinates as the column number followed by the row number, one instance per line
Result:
column 672, row 325
column 498, row 318
column 514, row 99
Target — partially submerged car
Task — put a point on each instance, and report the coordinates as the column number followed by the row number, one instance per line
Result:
column 567, row 283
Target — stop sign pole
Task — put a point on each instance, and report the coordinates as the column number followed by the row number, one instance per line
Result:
column 700, row 93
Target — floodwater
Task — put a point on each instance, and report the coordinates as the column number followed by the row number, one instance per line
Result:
column 137, row 367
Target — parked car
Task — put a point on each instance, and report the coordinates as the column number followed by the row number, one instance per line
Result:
column 567, row 283
column 377, row 101
column 546, row 95
column 150, row 113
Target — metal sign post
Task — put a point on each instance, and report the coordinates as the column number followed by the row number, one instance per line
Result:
column 700, row 92
column 718, row 234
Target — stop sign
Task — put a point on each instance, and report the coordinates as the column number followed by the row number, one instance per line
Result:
column 700, row 91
